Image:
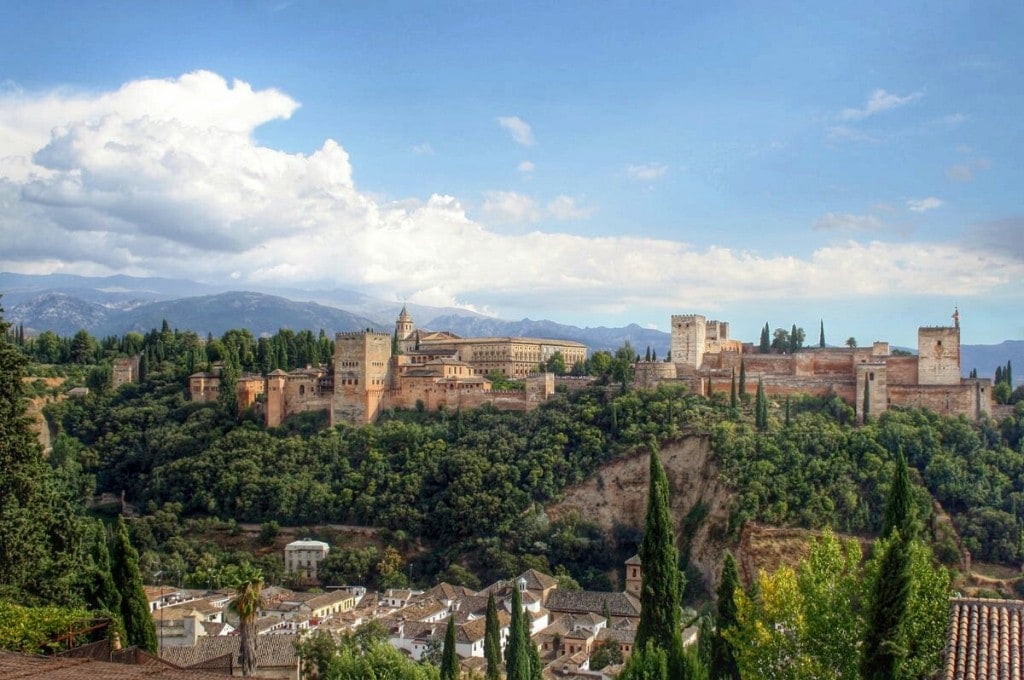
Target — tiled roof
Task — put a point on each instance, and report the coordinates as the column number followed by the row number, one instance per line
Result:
column 985, row 639
column 446, row 591
column 271, row 650
column 70, row 668
column 585, row 601
column 536, row 580
column 329, row 598
column 635, row 559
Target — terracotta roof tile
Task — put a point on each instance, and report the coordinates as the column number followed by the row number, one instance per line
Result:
column 984, row 639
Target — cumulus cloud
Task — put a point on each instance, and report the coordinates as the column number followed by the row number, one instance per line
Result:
column 879, row 101
column 164, row 177
column 565, row 208
column 518, row 128
column 848, row 222
column 924, row 204
column 646, row 172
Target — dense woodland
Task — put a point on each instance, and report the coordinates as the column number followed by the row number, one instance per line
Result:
column 463, row 492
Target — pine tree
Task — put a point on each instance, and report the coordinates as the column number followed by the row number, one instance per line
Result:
column 766, row 339
column 492, row 640
column 662, row 584
column 138, row 624
column 449, row 660
column 517, row 656
column 821, row 334
column 724, row 664
column 883, row 652
column 898, row 516
column 733, row 396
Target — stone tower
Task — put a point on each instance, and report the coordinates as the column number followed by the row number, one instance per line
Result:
column 938, row 351
column 689, row 337
column 634, row 575
column 362, row 362
column 404, row 326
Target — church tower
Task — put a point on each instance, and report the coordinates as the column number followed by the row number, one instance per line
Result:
column 404, row 326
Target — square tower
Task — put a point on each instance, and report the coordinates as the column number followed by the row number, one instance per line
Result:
column 938, row 355
column 689, row 336
column 361, row 375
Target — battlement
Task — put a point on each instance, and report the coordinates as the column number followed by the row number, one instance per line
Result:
column 369, row 332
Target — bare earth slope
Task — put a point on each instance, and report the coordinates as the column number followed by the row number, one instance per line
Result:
column 617, row 494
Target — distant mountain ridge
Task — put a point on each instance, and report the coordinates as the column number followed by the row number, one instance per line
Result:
column 117, row 304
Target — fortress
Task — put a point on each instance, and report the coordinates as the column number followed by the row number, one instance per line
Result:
column 706, row 359
column 431, row 370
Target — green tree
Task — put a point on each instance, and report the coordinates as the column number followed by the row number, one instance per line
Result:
column 733, row 394
column 743, row 381
column 851, row 342
column 884, row 648
column 899, row 504
column 248, row 599
column 766, row 342
column 661, row 587
column 517, row 656
column 821, row 334
column 761, row 407
column 100, row 590
column 866, row 410
column 492, row 640
column 449, row 660
column 138, row 624
column 723, row 663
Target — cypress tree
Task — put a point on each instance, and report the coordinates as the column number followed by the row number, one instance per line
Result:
column 761, row 407
column 898, row 515
column 787, row 410
column 743, row 380
column 536, row 667
column 138, row 624
column 492, row 640
column 100, row 590
column 723, row 662
column 999, row 375
column 647, row 357
column 1009, row 373
column 867, row 401
column 654, row 355
column 449, row 661
column 733, row 398
column 821, row 334
column 883, row 653
column 517, row 656
column 766, row 340
column 662, row 586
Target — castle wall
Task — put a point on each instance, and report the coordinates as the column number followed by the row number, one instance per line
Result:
column 902, row 370
column 125, row 370
column 938, row 350
column 361, row 375
column 247, row 388
column 947, row 400
column 648, row 374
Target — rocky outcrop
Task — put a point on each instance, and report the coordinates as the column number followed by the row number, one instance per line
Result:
column 617, row 495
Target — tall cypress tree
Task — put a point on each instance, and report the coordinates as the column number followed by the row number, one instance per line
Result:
column 138, row 624
column 761, row 407
column 787, row 410
column 723, row 662
column 449, row 660
column 866, row 416
column 882, row 651
column 492, row 640
column 821, row 334
column 898, row 514
column 766, row 339
column 100, row 590
column 733, row 396
column 661, row 587
column 517, row 656
column 743, row 380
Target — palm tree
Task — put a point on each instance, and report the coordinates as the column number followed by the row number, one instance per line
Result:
column 248, row 584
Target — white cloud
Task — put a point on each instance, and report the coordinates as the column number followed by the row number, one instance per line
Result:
column 565, row 208
column 526, row 167
column 924, row 204
column 502, row 207
column 848, row 222
column 519, row 128
column 423, row 149
column 879, row 101
column 176, row 185
column 647, row 171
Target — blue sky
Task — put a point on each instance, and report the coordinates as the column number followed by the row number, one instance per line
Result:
column 591, row 163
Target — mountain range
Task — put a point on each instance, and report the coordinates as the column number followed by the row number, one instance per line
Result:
column 115, row 305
